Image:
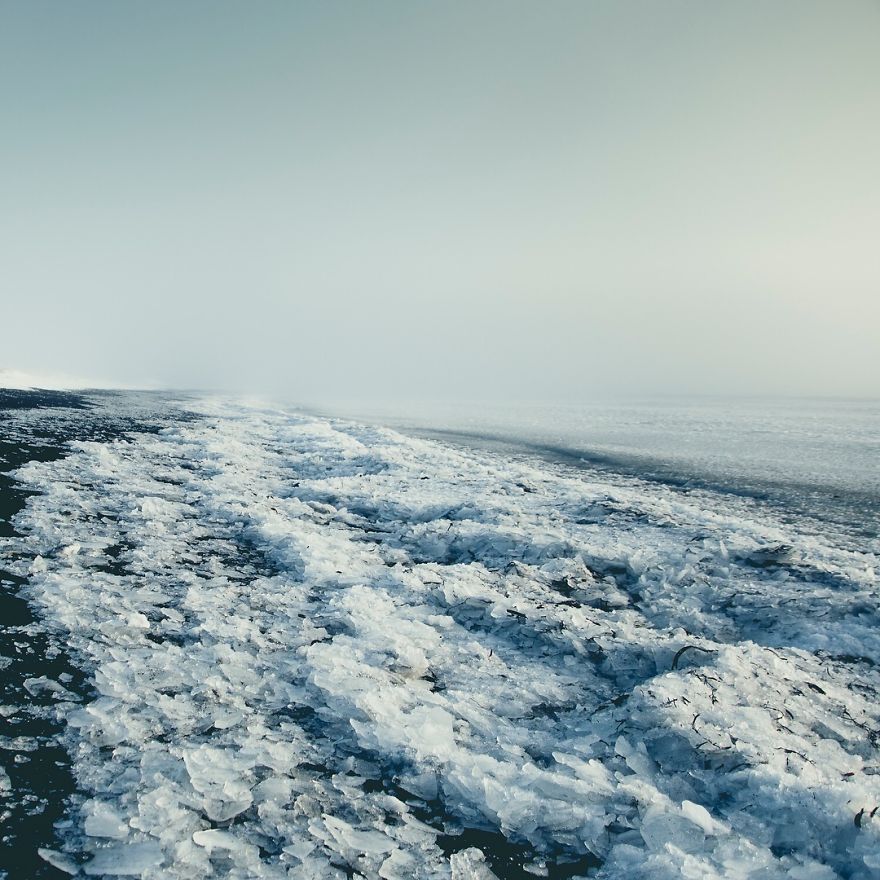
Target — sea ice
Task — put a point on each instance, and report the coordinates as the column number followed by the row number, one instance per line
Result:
column 321, row 648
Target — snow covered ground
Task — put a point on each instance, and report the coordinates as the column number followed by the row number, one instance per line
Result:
column 320, row 649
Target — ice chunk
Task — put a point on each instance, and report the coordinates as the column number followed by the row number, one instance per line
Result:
column 636, row 757
column 102, row 820
column 217, row 774
column 812, row 871
column 274, row 789
column 43, row 685
column 399, row 865
column 368, row 842
column 423, row 785
column 130, row 860
column 61, row 861
column 470, row 864
column 217, row 839
column 699, row 815
column 660, row 828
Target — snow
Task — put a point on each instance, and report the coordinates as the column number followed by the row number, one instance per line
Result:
column 320, row 647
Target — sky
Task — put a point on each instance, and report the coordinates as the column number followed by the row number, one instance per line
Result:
column 481, row 200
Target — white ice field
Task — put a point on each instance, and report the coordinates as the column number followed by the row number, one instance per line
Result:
column 324, row 650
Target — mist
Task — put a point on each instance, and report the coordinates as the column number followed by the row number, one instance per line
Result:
column 393, row 201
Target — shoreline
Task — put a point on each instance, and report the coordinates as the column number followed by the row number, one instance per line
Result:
column 36, row 768
column 38, row 673
column 823, row 504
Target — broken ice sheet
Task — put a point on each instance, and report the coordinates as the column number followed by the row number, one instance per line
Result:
column 310, row 661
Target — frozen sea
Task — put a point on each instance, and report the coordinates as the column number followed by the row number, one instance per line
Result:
column 242, row 640
column 816, row 458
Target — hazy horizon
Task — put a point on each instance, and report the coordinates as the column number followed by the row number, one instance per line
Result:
column 503, row 201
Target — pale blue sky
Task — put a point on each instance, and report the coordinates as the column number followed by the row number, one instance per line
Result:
column 493, row 199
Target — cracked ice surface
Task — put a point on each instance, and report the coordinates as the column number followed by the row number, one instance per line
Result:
column 323, row 650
